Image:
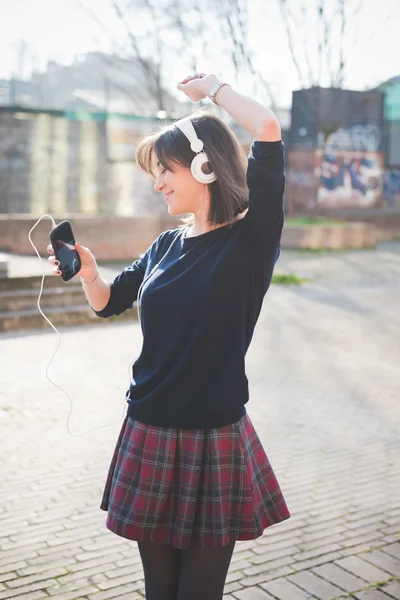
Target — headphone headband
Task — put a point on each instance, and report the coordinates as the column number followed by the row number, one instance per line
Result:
column 186, row 126
column 196, row 145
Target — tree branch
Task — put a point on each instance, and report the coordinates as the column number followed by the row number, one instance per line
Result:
column 289, row 35
column 340, row 75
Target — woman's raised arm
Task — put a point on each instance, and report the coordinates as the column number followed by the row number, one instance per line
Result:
column 265, row 173
column 257, row 119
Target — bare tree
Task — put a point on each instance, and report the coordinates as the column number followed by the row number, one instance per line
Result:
column 24, row 66
column 316, row 38
column 191, row 25
column 233, row 18
column 132, row 48
column 152, row 68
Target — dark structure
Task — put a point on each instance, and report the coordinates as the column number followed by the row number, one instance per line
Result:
column 335, row 150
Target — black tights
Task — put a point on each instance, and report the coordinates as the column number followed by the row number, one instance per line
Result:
column 194, row 574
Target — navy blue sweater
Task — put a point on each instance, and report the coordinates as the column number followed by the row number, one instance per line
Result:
column 200, row 306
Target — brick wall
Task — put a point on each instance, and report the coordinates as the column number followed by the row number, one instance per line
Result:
column 109, row 238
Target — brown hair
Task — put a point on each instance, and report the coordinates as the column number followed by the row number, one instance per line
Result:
column 227, row 159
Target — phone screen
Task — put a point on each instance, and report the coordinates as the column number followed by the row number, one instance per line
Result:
column 63, row 242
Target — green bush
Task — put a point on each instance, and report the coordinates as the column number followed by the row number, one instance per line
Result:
column 311, row 221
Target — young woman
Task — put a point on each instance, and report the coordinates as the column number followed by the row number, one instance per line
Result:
column 189, row 475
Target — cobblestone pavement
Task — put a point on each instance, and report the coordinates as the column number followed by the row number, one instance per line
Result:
column 324, row 378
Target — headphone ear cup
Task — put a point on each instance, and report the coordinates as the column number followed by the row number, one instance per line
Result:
column 197, row 172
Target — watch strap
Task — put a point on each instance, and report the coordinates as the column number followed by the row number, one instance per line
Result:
column 215, row 89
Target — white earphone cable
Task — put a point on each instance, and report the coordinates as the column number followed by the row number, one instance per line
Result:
column 59, row 342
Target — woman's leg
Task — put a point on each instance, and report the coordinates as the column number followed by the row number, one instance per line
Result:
column 203, row 572
column 161, row 564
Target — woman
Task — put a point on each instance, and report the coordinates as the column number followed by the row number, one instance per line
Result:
column 189, row 475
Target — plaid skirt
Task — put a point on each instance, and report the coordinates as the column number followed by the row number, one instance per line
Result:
column 191, row 487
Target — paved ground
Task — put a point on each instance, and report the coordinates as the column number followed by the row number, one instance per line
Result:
column 324, row 377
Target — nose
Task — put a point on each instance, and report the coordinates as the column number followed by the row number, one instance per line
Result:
column 159, row 183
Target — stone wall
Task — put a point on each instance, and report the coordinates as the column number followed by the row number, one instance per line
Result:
column 49, row 162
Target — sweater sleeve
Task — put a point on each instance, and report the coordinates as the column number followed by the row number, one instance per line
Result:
column 125, row 287
column 266, row 182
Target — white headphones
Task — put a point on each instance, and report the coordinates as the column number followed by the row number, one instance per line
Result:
column 196, row 145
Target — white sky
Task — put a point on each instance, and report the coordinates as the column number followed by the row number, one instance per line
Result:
column 59, row 29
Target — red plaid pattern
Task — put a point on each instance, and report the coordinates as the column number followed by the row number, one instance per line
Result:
column 191, row 487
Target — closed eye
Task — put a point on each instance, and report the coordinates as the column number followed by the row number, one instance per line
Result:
column 160, row 165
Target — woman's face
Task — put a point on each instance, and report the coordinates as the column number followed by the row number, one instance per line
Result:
column 181, row 191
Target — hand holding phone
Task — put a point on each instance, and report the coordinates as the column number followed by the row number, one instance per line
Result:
column 68, row 257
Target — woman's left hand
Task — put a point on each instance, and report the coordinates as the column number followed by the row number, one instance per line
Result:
column 197, row 86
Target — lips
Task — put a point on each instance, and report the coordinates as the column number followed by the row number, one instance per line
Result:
column 167, row 196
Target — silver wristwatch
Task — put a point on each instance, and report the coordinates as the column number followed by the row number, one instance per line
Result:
column 215, row 89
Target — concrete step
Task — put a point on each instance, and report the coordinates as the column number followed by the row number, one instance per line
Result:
column 34, row 282
column 81, row 314
column 63, row 303
column 16, row 300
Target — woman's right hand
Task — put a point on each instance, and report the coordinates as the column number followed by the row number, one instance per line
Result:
column 88, row 268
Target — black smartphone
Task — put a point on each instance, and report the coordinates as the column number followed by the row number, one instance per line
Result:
column 63, row 242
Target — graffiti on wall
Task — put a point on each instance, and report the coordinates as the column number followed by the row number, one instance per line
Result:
column 303, row 179
column 349, row 168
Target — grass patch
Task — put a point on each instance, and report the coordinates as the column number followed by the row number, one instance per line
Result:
column 287, row 279
column 311, row 221
column 329, row 250
column 311, row 250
